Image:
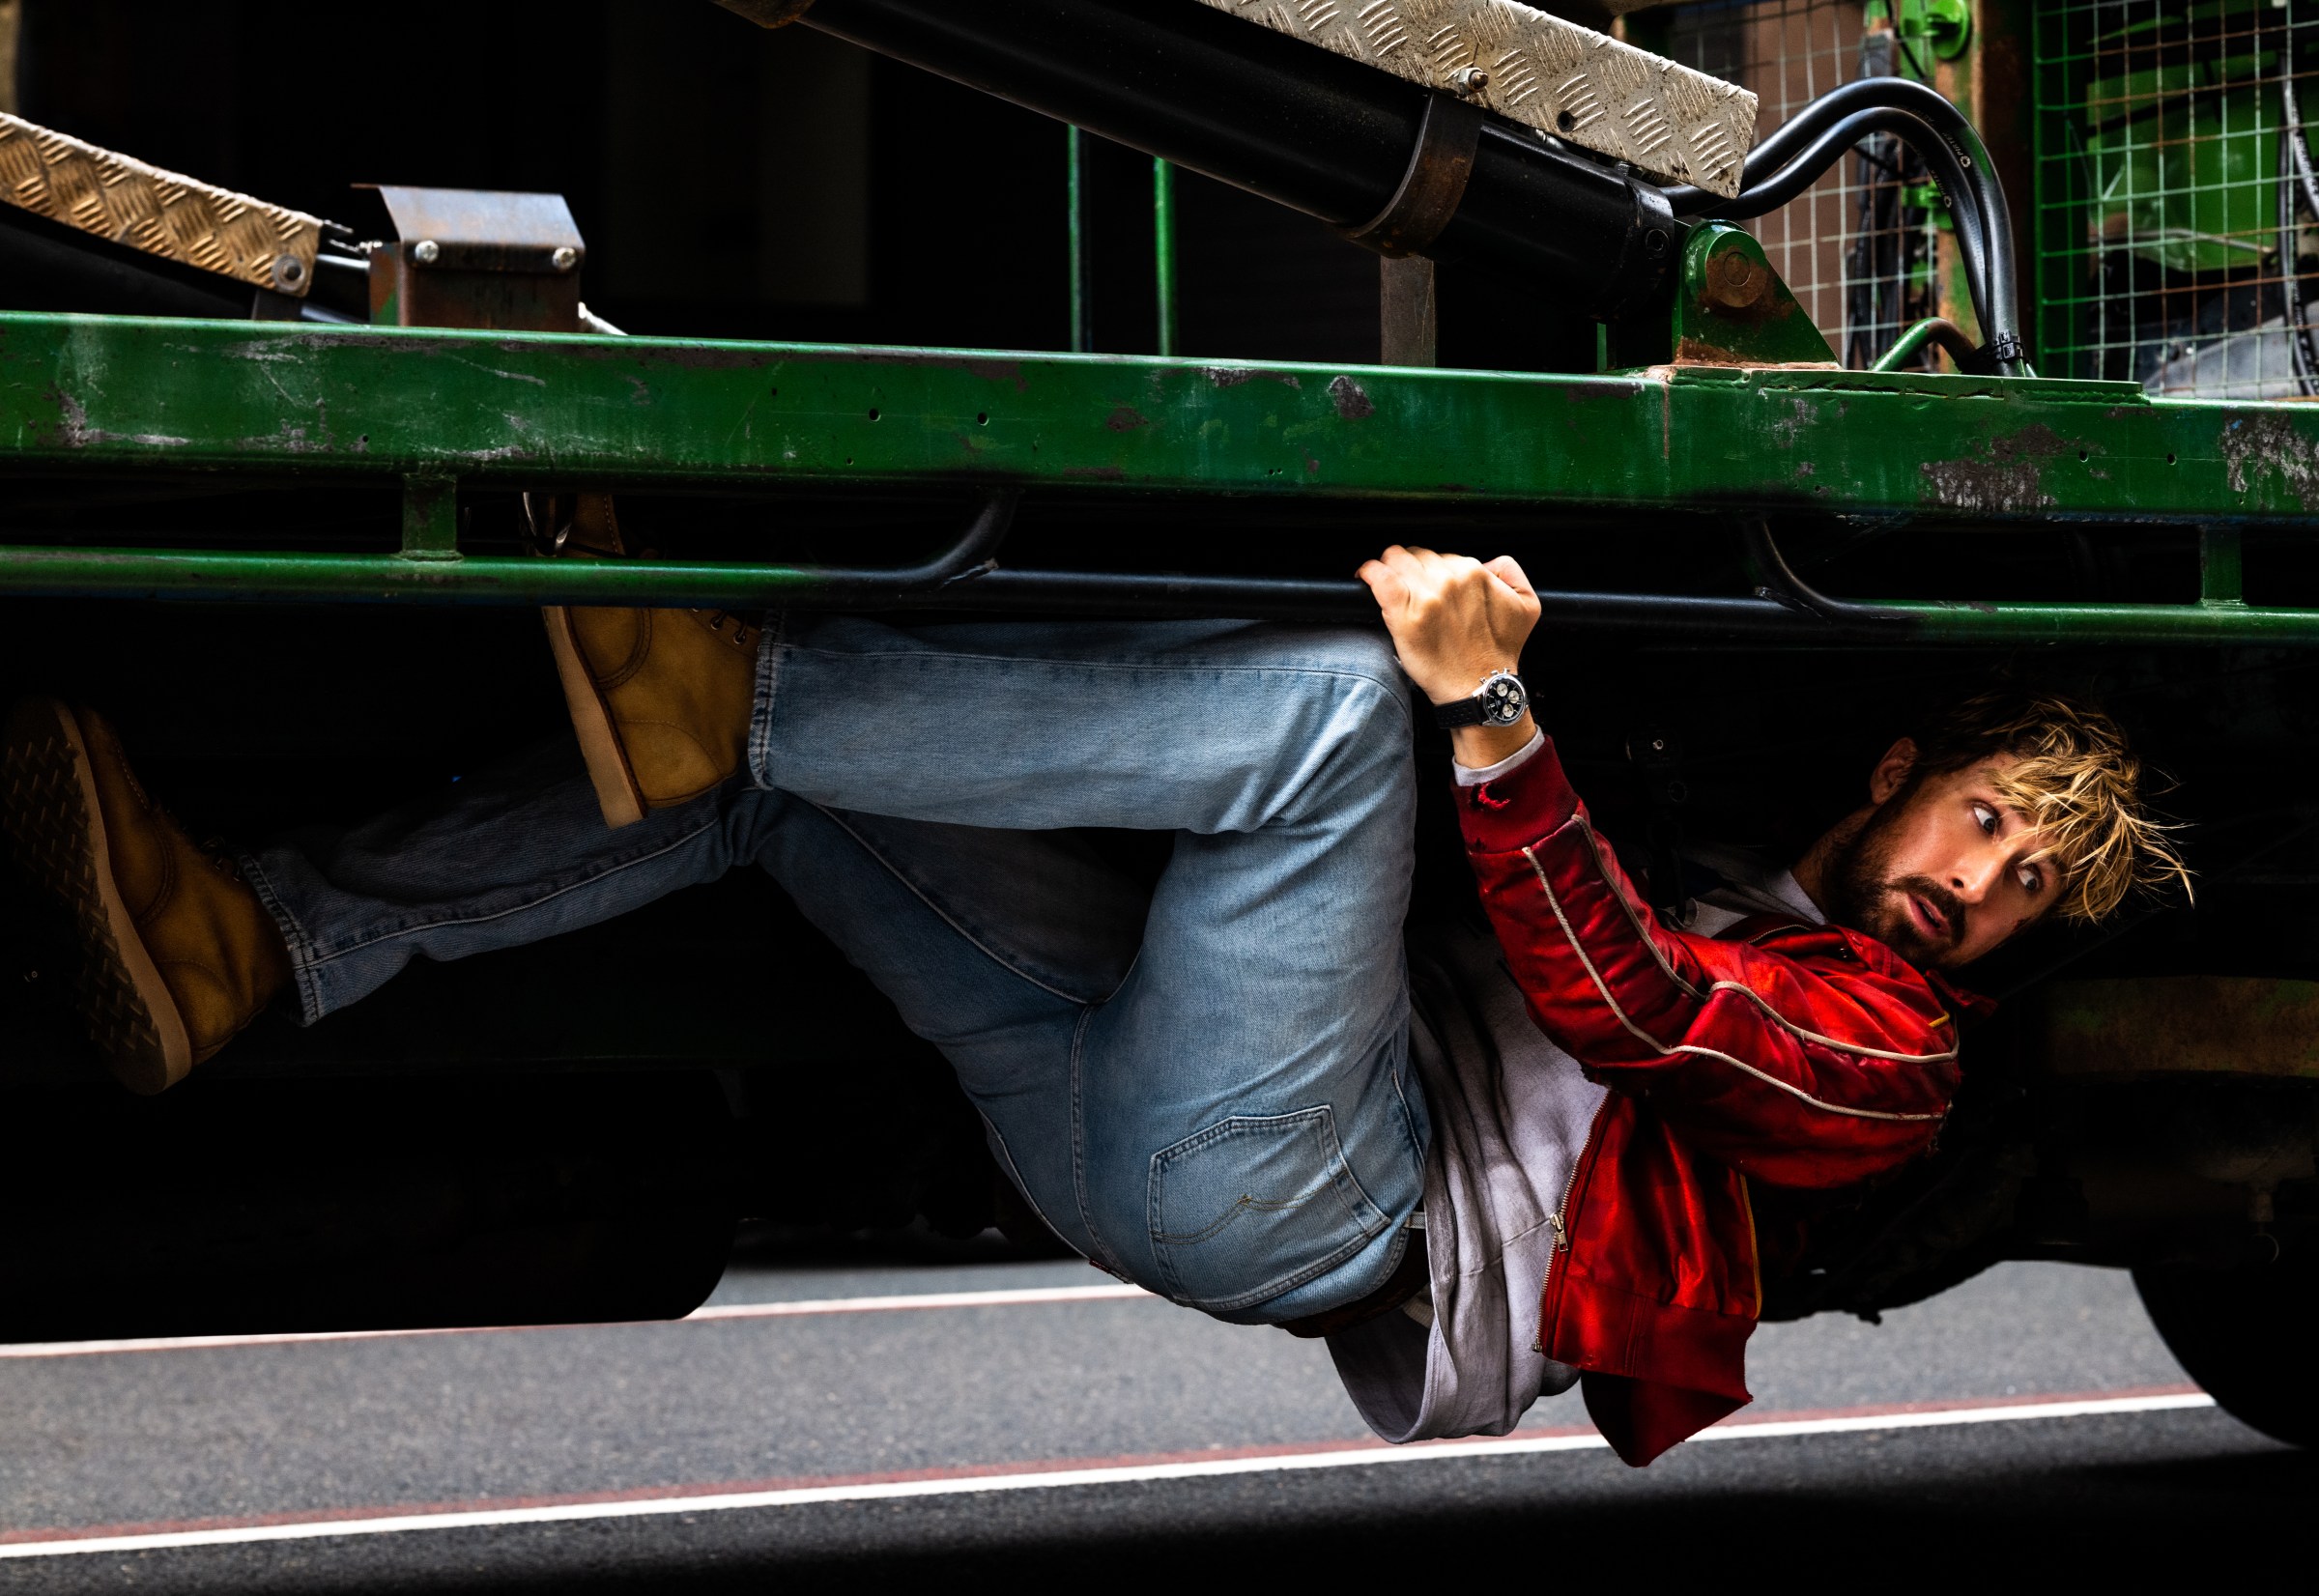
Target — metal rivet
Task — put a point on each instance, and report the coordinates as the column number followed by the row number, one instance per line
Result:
column 564, row 258
column 1467, row 80
column 426, row 251
column 289, row 271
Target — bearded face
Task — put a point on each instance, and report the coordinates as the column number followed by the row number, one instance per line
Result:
column 1871, row 890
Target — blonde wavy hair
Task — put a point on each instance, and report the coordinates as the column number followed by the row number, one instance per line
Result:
column 2076, row 780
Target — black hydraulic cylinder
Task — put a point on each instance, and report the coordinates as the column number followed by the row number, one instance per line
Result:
column 1270, row 114
column 47, row 266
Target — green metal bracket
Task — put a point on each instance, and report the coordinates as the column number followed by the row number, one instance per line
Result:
column 1733, row 308
column 430, row 517
column 2221, row 574
column 1945, row 25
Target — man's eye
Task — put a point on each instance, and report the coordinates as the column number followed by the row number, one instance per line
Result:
column 2033, row 879
column 1988, row 818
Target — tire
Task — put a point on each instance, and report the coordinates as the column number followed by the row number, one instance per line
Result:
column 2245, row 1336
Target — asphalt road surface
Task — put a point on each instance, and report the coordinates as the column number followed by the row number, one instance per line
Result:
column 967, row 1427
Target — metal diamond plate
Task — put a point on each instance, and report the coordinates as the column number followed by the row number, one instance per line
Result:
column 158, row 212
column 1672, row 122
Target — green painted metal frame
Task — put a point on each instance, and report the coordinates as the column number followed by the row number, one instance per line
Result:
column 96, row 396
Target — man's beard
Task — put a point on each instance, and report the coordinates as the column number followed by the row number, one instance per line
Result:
column 1866, row 898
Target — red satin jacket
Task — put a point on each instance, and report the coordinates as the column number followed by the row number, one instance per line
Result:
column 1780, row 1052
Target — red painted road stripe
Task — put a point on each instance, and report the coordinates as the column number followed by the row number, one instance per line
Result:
column 729, row 1495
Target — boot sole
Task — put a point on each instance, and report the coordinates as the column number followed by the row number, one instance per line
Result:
column 618, row 792
column 56, row 840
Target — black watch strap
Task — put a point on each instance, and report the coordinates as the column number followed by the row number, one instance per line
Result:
column 1500, row 700
column 1457, row 712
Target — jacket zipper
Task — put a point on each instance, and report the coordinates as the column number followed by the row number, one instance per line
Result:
column 1559, row 1220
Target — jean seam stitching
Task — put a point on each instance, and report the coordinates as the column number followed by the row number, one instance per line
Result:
column 1365, row 1233
column 768, row 686
column 300, row 946
column 1079, row 1146
column 526, row 905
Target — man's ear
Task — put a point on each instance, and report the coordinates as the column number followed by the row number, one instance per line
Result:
column 1892, row 772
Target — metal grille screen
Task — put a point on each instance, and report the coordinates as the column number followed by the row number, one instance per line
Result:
column 1857, row 251
column 2175, row 194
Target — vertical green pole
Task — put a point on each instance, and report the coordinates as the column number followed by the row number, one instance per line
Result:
column 2221, row 567
column 1082, row 295
column 1163, row 249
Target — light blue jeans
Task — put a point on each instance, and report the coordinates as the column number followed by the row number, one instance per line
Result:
column 1204, row 1087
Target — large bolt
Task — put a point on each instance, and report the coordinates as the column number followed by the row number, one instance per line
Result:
column 1734, row 281
column 1469, row 80
column 564, row 258
column 426, row 251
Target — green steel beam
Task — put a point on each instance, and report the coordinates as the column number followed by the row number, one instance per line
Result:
column 435, row 411
column 108, row 395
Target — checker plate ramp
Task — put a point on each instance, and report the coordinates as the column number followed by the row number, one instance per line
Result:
column 1668, row 122
column 158, row 212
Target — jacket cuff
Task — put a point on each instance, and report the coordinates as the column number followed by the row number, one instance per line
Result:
column 1522, row 806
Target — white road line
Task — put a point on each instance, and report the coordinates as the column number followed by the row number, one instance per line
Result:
column 1028, row 1297
column 1023, row 1298
column 1353, row 1457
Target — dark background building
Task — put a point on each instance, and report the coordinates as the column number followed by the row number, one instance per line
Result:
column 730, row 181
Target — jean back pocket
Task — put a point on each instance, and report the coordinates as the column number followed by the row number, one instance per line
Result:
column 1254, row 1207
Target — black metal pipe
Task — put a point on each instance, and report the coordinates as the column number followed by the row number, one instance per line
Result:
column 47, row 266
column 1343, row 600
column 1785, row 585
column 1270, row 114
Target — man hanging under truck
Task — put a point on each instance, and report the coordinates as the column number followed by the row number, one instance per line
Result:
column 1217, row 1087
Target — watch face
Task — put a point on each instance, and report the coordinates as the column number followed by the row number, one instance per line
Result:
column 1503, row 699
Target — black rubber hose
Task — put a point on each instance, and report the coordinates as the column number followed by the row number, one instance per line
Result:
column 1811, row 142
column 1911, row 129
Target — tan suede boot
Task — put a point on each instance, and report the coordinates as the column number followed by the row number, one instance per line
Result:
column 660, row 699
column 177, row 953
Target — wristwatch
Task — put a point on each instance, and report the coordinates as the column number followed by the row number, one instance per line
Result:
column 1498, row 700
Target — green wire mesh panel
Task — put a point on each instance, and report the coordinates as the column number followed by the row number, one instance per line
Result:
column 1857, row 250
column 2176, row 194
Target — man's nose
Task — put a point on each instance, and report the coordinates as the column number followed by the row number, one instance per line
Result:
column 1973, row 879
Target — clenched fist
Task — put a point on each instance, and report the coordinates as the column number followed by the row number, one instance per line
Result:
column 1453, row 621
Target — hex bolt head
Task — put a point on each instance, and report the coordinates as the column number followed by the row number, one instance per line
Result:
column 1469, row 80
column 564, row 258
column 1735, row 281
column 426, row 251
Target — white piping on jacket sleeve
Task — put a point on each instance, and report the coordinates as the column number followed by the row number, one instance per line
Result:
column 1570, row 935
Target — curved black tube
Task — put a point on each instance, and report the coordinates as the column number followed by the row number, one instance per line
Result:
column 1339, row 599
column 1953, row 177
column 966, row 558
column 1816, row 136
column 1793, row 591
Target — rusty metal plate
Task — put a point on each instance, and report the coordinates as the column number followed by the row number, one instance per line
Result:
column 1671, row 123
column 158, row 212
